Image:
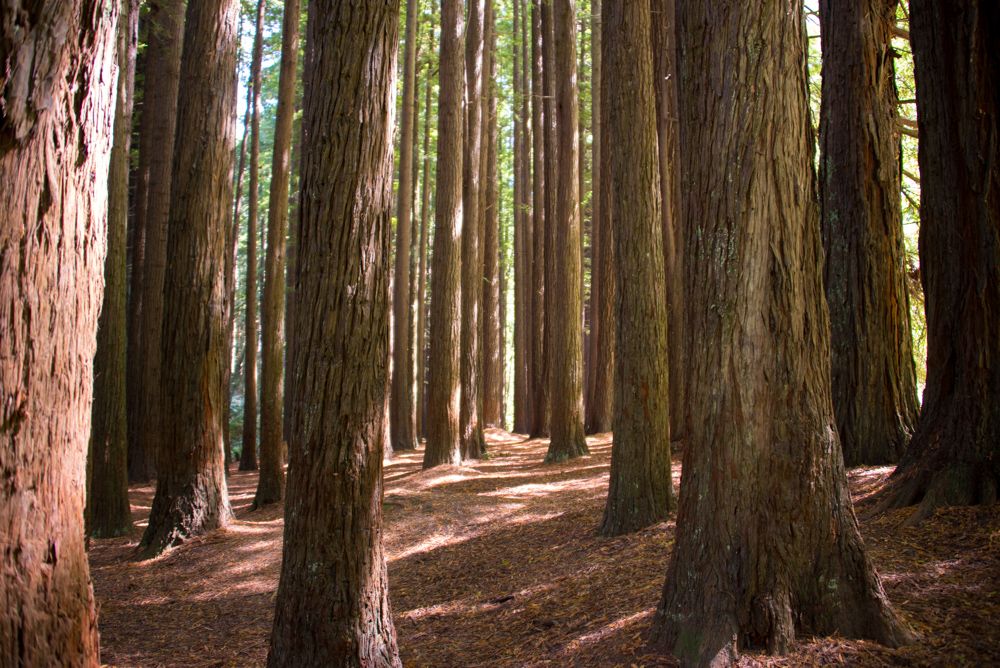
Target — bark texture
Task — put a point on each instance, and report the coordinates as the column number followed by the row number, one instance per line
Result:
column 539, row 376
column 402, row 419
column 566, row 347
column 333, row 599
column 874, row 379
column 271, row 483
column 954, row 457
column 444, row 387
column 641, row 490
column 768, row 545
column 522, row 291
column 108, row 510
column 157, row 129
column 191, row 495
column 57, row 92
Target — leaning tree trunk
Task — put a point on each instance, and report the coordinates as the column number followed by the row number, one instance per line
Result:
column 108, row 510
column 271, row 483
column 954, row 457
column 641, row 491
column 57, row 94
column 539, row 378
column 332, row 605
column 566, row 341
column 772, row 551
column 444, row 387
column 874, row 379
column 156, row 149
column 191, row 495
column 402, row 419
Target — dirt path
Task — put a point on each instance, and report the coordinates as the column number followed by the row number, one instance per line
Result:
column 498, row 564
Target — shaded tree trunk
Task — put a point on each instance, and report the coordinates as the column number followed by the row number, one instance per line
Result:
column 290, row 253
column 521, row 291
column 566, row 333
column 191, row 495
column 640, row 492
column 271, row 483
column 528, row 214
column 874, row 379
column 421, row 345
column 402, row 424
column 775, row 551
column 57, row 99
column 333, row 604
column 444, row 387
column 539, row 377
column 108, row 510
column 156, row 148
column 954, row 457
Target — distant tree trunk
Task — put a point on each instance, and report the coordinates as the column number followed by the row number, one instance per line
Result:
column 108, row 510
column 191, row 495
column 444, row 388
column 954, row 457
column 421, row 345
column 332, row 605
column 57, row 93
column 521, row 291
column 402, row 425
column 156, row 149
column 539, row 377
column 874, row 380
column 493, row 362
column 248, row 456
column 566, row 347
column 527, row 216
column 271, row 483
column 600, row 398
column 664, row 39
column 641, row 490
column 775, row 551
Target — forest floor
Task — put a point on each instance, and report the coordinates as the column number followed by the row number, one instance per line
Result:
column 498, row 563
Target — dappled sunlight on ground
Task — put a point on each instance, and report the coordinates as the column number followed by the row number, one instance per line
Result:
column 498, row 563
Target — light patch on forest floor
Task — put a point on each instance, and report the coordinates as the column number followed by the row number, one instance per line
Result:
column 498, row 563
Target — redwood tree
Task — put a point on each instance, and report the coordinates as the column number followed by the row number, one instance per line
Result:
column 333, row 600
column 57, row 92
column 539, row 378
column 954, row 457
column 444, row 387
column 768, row 545
column 874, row 379
column 191, row 495
column 641, row 491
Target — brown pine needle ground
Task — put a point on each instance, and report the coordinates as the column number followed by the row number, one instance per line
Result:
column 497, row 563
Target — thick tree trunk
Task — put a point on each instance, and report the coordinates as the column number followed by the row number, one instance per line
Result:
column 565, row 317
column 593, row 374
column 57, row 96
column 954, row 457
column 444, row 388
column 156, row 149
column 774, row 551
column 108, row 510
column 874, row 379
column 271, row 483
column 425, row 206
column 402, row 420
column 248, row 455
column 539, row 376
column 191, row 495
column 641, row 490
column 521, row 290
column 333, row 604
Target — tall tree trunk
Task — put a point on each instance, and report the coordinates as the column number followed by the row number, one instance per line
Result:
column 521, row 291
column 332, row 605
column 527, row 216
column 425, row 205
column 444, row 387
column 539, row 377
column 271, row 483
column 954, row 457
column 641, row 491
column 156, row 149
column 402, row 425
column 492, row 324
column 57, row 93
column 108, row 510
column 874, row 379
column 774, row 552
column 191, row 495
column 566, row 391
column 248, row 456
column 664, row 39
